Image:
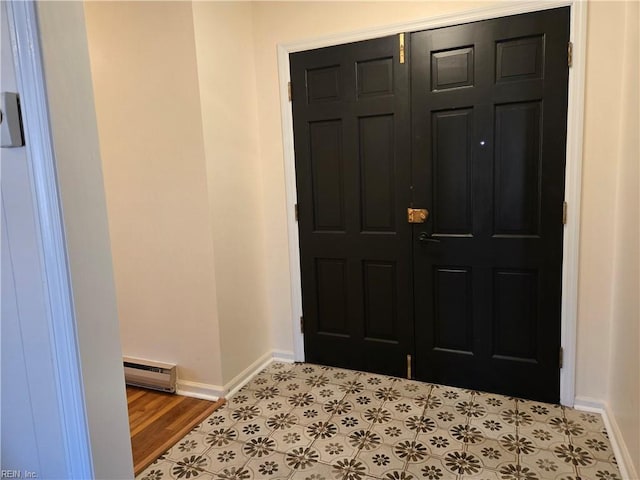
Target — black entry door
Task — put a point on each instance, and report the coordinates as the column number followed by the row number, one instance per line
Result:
column 352, row 143
column 489, row 102
column 473, row 294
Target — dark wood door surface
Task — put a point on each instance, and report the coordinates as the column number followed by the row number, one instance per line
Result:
column 489, row 102
column 352, row 143
column 472, row 127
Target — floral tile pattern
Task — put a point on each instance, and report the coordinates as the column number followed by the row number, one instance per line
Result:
column 310, row 422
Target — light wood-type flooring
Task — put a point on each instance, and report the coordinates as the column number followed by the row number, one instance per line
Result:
column 157, row 420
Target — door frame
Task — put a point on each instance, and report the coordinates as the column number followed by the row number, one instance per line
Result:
column 60, row 323
column 573, row 168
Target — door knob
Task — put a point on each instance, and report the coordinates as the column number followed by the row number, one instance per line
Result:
column 425, row 237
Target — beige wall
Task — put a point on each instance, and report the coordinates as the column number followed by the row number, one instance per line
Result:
column 227, row 76
column 179, row 137
column 77, row 155
column 608, row 368
column 600, row 165
column 624, row 376
column 148, row 108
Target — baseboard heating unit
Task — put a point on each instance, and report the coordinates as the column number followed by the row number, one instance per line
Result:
column 148, row 374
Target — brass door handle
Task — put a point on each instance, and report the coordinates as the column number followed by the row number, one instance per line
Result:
column 425, row 237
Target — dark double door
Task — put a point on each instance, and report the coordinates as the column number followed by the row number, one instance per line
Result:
column 469, row 123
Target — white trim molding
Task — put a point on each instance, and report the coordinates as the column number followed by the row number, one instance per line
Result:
column 25, row 42
column 619, row 446
column 283, row 356
column 572, row 195
column 203, row 391
column 573, row 183
column 207, row 391
column 247, row 374
column 292, row 199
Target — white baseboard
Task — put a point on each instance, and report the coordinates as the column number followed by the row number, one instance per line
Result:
column 588, row 404
column 207, row 391
column 620, row 450
column 247, row 374
column 203, row 391
column 283, row 356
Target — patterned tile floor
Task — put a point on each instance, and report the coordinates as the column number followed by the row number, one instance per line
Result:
column 307, row 422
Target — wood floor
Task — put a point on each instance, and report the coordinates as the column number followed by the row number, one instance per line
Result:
column 158, row 420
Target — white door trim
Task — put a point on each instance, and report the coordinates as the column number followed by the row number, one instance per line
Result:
column 573, row 184
column 61, row 320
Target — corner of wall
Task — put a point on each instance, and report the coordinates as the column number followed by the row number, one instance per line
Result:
column 623, row 388
column 148, row 108
column 620, row 447
column 228, row 102
column 214, row 392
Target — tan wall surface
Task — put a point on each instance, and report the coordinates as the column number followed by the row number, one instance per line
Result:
column 600, row 163
column 145, row 77
column 624, row 376
column 224, row 47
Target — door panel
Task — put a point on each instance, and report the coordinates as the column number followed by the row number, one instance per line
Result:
column 327, row 171
column 377, row 173
column 331, row 282
column 515, row 296
column 452, row 168
column 488, row 119
column 453, row 309
column 351, row 125
column 380, row 300
column 517, row 168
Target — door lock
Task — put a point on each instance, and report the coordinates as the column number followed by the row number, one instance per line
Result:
column 417, row 215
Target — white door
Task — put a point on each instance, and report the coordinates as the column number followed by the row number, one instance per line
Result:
column 32, row 442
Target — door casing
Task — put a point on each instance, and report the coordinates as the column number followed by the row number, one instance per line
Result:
column 64, row 358
column 573, row 183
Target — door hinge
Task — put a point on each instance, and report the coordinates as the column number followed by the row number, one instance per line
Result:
column 561, row 357
column 295, row 209
column 570, row 54
column 409, row 361
column 564, row 213
column 289, row 90
column 401, row 40
column 301, row 324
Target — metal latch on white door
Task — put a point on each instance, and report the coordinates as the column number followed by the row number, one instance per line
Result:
column 10, row 121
